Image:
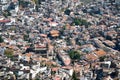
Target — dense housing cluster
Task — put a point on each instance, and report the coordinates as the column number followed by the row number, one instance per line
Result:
column 59, row 40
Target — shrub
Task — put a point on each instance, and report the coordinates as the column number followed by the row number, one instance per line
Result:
column 1, row 39
column 75, row 55
column 9, row 53
column 81, row 22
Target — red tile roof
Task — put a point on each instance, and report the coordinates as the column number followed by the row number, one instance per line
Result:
column 43, row 35
column 100, row 53
column 54, row 33
column 4, row 21
column 55, row 68
column 91, row 57
column 57, row 77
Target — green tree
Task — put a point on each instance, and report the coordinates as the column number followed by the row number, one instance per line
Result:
column 81, row 22
column 67, row 12
column 37, row 2
column 26, row 37
column 75, row 55
column 74, row 76
column 1, row 39
column 64, row 27
column 23, row 3
column 37, row 79
column 6, row 13
column 9, row 53
column 36, row 8
column 102, row 58
column 113, row 65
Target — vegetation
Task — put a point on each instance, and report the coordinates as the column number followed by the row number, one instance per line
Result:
column 62, row 30
column 23, row 3
column 64, row 27
column 81, row 22
column 13, row 28
column 37, row 79
column 86, row 1
column 37, row 2
column 113, row 65
column 6, row 13
column 26, row 37
column 74, row 76
column 1, row 39
column 12, row 37
column 9, row 53
column 102, row 58
column 36, row 8
column 75, row 55
column 63, row 9
column 67, row 12
column 67, row 40
column 31, row 45
column 28, row 31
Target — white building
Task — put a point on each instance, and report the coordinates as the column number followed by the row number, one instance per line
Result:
column 4, row 1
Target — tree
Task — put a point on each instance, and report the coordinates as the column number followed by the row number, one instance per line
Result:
column 67, row 12
column 36, row 8
column 23, row 3
column 114, row 74
column 6, row 13
column 102, row 58
column 64, row 27
column 26, row 37
column 37, row 79
column 37, row 3
column 74, row 76
column 1, row 39
column 75, row 55
column 113, row 65
column 9, row 53
column 62, row 30
column 81, row 22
